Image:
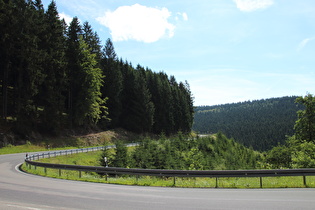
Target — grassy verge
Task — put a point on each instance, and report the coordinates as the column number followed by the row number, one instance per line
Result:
column 91, row 158
column 72, row 142
column 28, row 148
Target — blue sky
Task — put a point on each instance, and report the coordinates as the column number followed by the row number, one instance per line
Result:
column 228, row 50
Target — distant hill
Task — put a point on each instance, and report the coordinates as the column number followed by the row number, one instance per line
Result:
column 260, row 124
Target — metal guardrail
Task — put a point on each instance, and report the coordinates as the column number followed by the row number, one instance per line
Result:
column 37, row 156
column 162, row 172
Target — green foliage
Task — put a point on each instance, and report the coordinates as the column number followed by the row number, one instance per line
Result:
column 305, row 125
column 299, row 150
column 90, row 104
column 107, row 154
column 121, row 157
column 304, row 156
column 260, row 124
column 113, row 83
column 183, row 153
column 294, row 154
column 279, row 157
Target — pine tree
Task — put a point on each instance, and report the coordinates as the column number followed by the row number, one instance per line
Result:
column 73, row 67
column 121, row 157
column 89, row 104
column 186, row 107
column 8, row 24
column 145, row 104
column 113, row 82
column 93, row 41
column 55, row 70
column 28, row 69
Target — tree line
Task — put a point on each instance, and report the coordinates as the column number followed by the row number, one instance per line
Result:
column 215, row 152
column 55, row 76
column 298, row 151
column 261, row 124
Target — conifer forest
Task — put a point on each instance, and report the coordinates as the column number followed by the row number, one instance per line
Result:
column 260, row 124
column 56, row 76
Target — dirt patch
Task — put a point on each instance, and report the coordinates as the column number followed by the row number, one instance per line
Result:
column 109, row 136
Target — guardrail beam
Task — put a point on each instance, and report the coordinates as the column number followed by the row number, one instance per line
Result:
column 30, row 160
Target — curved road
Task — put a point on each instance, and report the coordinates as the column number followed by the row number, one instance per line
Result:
column 24, row 191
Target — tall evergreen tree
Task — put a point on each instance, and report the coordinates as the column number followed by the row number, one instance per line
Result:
column 73, row 68
column 85, row 102
column 187, row 107
column 28, row 67
column 93, row 41
column 90, row 106
column 145, row 105
column 55, row 70
column 113, row 82
column 8, row 26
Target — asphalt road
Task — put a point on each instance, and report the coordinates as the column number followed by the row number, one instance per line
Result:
column 24, row 191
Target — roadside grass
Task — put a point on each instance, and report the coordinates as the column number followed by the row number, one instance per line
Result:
column 26, row 148
column 91, row 159
column 72, row 142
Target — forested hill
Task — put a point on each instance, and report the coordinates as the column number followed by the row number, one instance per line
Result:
column 261, row 124
column 55, row 76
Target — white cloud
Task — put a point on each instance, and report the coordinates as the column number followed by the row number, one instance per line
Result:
column 66, row 17
column 138, row 23
column 185, row 16
column 252, row 5
column 181, row 16
column 304, row 42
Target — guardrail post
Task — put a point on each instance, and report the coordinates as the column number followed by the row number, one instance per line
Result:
column 59, row 172
column 45, row 171
column 216, row 182
column 174, row 183
column 304, row 180
column 80, row 174
column 260, row 179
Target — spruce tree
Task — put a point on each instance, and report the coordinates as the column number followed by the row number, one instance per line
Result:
column 113, row 82
column 89, row 105
column 93, row 41
column 28, row 68
column 8, row 24
column 55, row 71
column 74, row 72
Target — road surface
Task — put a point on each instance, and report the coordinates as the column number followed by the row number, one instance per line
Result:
column 24, row 191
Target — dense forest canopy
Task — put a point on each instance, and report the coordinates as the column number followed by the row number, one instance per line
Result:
column 261, row 124
column 54, row 77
